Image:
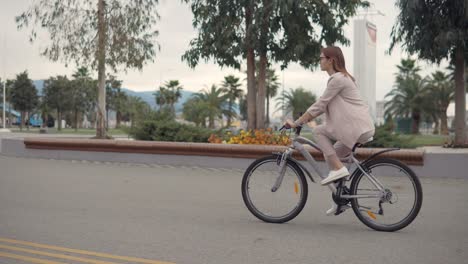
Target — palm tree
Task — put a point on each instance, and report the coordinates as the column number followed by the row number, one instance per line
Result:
column 231, row 86
column 243, row 107
column 441, row 91
column 83, row 94
column 295, row 101
column 272, row 86
column 137, row 109
column 196, row 110
column 216, row 104
column 160, row 97
column 173, row 93
column 407, row 96
column 408, row 68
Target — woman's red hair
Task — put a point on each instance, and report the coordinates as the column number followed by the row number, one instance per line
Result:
column 336, row 55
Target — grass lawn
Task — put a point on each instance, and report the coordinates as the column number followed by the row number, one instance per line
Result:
column 416, row 140
column 426, row 140
column 81, row 131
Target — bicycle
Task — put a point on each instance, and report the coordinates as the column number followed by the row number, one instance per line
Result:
column 274, row 188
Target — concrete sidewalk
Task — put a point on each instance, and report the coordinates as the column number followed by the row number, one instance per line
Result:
column 438, row 162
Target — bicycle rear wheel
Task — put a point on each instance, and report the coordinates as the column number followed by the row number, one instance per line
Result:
column 281, row 205
column 397, row 206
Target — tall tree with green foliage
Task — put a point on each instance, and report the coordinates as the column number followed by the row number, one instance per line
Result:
column 216, row 103
column 96, row 33
column 115, row 98
column 56, row 94
column 137, row 110
column 441, row 93
column 171, row 92
column 231, row 86
column 160, row 97
column 196, row 110
column 83, row 94
column 272, row 30
column 407, row 98
column 295, row 101
column 437, row 30
column 272, row 86
column 24, row 97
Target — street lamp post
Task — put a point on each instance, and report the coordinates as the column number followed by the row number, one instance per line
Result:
column 4, row 129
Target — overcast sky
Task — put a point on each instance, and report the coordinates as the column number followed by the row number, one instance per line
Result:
column 175, row 28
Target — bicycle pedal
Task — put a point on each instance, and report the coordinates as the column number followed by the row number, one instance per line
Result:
column 341, row 209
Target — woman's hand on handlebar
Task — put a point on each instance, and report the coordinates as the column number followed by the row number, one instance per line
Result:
column 289, row 124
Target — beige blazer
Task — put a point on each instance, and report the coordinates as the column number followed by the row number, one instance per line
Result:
column 347, row 115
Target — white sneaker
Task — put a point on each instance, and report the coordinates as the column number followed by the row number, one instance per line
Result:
column 334, row 175
column 332, row 210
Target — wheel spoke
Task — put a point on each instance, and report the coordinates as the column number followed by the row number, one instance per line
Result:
column 397, row 205
column 284, row 203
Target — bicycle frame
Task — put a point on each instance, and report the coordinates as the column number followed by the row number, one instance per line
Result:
column 298, row 144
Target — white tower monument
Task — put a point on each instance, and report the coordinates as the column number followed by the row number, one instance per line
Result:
column 365, row 41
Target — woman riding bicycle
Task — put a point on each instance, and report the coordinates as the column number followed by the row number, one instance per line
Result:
column 347, row 116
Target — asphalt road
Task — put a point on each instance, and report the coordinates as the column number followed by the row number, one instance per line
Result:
column 74, row 211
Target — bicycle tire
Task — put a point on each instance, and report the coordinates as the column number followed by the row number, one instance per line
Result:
column 254, row 209
column 416, row 186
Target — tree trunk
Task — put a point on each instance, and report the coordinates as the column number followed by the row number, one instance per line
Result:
column 416, row 118
column 107, row 119
column 229, row 116
column 27, row 121
column 22, row 120
column 211, row 122
column 173, row 109
column 460, row 100
column 261, row 92
column 9, row 115
column 59, row 120
column 267, row 116
column 44, row 119
column 251, row 91
column 436, row 124
column 443, row 122
column 118, row 117
column 101, row 54
column 76, row 120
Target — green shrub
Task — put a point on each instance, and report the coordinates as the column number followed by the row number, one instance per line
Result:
column 169, row 130
column 385, row 138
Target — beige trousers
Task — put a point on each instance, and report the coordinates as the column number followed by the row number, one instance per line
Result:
column 324, row 141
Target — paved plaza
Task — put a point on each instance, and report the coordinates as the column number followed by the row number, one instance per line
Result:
column 116, row 212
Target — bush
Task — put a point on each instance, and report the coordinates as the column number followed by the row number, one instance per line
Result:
column 169, row 130
column 385, row 138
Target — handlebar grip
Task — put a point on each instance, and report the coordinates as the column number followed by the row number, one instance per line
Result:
column 298, row 130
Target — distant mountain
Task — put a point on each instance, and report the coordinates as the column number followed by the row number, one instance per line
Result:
column 146, row 96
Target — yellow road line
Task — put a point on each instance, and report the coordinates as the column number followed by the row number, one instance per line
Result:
column 84, row 252
column 32, row 260
column 43, row 253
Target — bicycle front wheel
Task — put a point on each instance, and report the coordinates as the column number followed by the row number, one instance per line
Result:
column 277, row 206
column 393, row 208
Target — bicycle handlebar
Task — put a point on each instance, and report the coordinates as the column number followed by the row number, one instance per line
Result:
column 298, row 129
